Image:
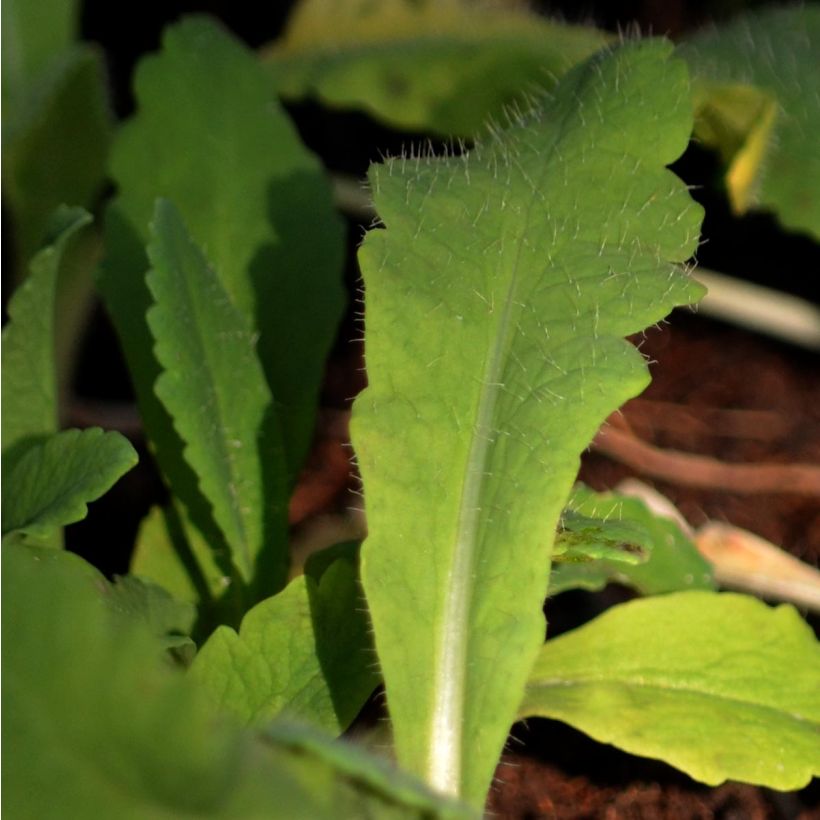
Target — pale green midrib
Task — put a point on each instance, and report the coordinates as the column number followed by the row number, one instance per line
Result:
column 223, row 454
column 561, row 683
column 446, row 736
column 444, row 760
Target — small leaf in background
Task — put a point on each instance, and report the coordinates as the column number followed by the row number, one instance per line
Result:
column 673, row 562
column 775, row 50
column 708, row 682
column 29, row 377
column 96, row 719
column 52, row 483
column 172, row 553
column 55, row 145
column 214, row 388
column 305, row 652
column 33, row 33
column 210, row 136
column 440, row 67
column 496, row 297
column 582, row 538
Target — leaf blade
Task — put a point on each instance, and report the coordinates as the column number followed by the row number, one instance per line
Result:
column 53, row 482
column 693, row 678
column 213, row 387
column 29, row 378
column 305, row 653
column 528, row 306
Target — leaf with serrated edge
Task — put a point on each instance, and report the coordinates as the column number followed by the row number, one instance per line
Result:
column 53, row 482
column 29, row 378
column 214, row 389
column 305, row 652
column 673, row 563
column 719, row 685
column 252, row 197
column 495, row 299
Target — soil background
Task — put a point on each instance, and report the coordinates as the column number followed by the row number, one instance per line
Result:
column 699, row 367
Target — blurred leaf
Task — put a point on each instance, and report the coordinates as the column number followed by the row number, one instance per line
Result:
column 33, row 34
column 673, row 561
column 305, row 652
column 719, row 685
column 777, row 165
column 213, row 387
column 444, row 67
column 29, row 379
column 98, row 723
column 55, row 145
column 53, row 482
column 168, row 619
column 210, row 136
column 497, row 297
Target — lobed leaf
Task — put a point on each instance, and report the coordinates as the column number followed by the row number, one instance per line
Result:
column 210, row 136
column 305, row 652
column 440, row 67
column 213, row 387
column 96, row 719
column 719, row 685
column 29, row 378
column 672, row 563
column 495, row 299
column 52, row 483
column 777, row 165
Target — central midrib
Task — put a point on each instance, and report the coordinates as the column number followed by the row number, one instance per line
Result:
column 445, row 761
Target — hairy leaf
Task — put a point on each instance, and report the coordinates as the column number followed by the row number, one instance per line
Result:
column 53, row 482
column 29, row 378
column 495, row 302
column 777, row 166
column 213, row 387
column 305, row 652
column 673, row 562
column 210, row 136
column 443, row 67
column 719, row 685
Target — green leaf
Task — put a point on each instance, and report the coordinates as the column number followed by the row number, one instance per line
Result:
column 53, row 482
column 442, row 67
column 777, row 166
column 33, row 33
column 172, row 553
column 170, row 620
column 29, row 379
column 210, row 136
column 97, row 720
column 495, row 299
column 55, row 145
column 305, row 652
column 719, row 685
column 582, row 538
column 213, row 387
column 673, row 561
